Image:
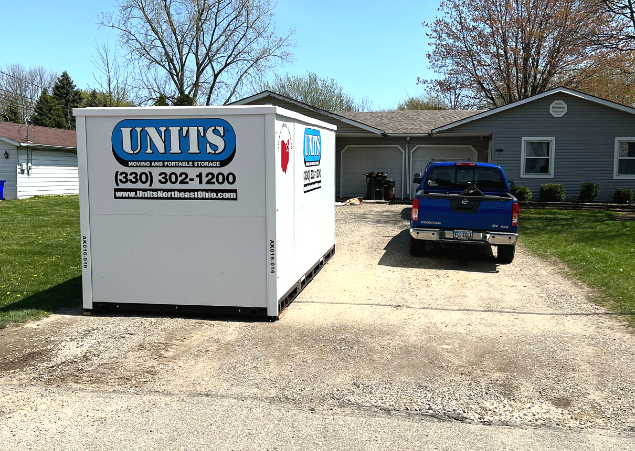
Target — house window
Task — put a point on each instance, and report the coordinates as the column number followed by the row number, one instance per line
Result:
column 624, row 166
column 537, row 157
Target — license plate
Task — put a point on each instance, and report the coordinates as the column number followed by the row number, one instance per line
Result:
column 462, row 234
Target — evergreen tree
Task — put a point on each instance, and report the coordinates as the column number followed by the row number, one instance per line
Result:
column 12, row 112
column 67, row 97
column 161, row 101
column 93, row 98
column 47, row 112
column 184, row 100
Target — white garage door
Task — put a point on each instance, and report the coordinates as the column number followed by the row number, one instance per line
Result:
column 422, row 155
column 357, row 161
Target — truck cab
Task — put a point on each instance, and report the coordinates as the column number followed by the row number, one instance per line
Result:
column 464, row 202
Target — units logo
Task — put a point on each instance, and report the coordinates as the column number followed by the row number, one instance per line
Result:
column 174, row 142
column 312, row 156
column 285, row 146
column 312, row 147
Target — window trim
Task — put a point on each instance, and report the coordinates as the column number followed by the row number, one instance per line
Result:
column 616, row 159
column 552, row 157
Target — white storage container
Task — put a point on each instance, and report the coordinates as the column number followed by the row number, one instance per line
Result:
column 185, row 208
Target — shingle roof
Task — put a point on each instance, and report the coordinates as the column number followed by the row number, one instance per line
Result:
column 38, row 136
column 411, row 121
column 408, row 122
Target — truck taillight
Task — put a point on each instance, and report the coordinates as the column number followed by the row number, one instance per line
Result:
column 415, row 210
column 515, row 211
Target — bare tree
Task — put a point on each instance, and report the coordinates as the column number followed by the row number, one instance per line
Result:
column 207, row 49
column 503, row 51
column 622, row 13
column 113, row 79
column 324, row 93
column 454, row 91
column 422, row 102
column 22, row 86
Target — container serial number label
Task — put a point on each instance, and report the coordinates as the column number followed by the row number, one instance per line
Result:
column 84, row 252
column 272, row 256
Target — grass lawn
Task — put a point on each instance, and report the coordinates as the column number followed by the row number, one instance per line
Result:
column 597, row 246
column 39, row 258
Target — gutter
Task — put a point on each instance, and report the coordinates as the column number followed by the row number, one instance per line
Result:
column 44, row 146
column 408, row 165
column 409, row 135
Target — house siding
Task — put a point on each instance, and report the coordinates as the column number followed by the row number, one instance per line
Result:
column 53, row 172
column 584, row 142
column 8, row 170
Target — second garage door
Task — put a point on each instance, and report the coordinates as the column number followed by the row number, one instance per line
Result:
column 421, row 155
column 359, row 160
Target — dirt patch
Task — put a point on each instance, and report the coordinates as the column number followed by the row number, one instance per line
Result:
column 23, row 348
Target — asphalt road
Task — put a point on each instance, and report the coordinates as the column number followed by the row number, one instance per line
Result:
column 83, row 420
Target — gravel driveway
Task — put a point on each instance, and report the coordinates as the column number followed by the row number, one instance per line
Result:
column 453, row 336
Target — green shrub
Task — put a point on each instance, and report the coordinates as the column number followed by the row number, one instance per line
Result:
column 589, row 192
column 522, row 193
column 552, row 192
column 623, row 196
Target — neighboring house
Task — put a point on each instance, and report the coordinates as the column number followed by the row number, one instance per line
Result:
column 37, row 161
column 560, row 136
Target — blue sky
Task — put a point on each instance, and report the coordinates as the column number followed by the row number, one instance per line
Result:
column 372, row 48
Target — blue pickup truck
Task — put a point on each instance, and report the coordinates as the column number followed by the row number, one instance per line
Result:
column 462, row 202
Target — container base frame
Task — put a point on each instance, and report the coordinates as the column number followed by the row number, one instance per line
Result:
column 211, row 310
column 195, row 310
column 296, row 289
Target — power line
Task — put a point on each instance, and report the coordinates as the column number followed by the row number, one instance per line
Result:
column 17, row 94
column 22, row 79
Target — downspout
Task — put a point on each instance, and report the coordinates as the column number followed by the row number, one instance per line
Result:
column 407, row 168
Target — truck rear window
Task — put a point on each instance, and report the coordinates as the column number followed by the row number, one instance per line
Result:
column 463, row 176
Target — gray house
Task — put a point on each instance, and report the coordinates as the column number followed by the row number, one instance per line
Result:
column 560, row 136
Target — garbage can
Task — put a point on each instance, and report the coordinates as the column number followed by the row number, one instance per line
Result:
column 2, row 189
column 370, row 186
column 380, row 177
column 389, row 189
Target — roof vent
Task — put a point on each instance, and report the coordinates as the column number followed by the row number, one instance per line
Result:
column 558, row 108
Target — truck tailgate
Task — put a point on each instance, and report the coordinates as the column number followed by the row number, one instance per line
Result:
column 454, row 211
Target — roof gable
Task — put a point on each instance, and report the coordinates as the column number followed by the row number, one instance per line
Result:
column 16, row 134
column 503, row 108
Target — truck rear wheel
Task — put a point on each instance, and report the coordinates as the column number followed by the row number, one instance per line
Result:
column 506, row 252
column 417, row 247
